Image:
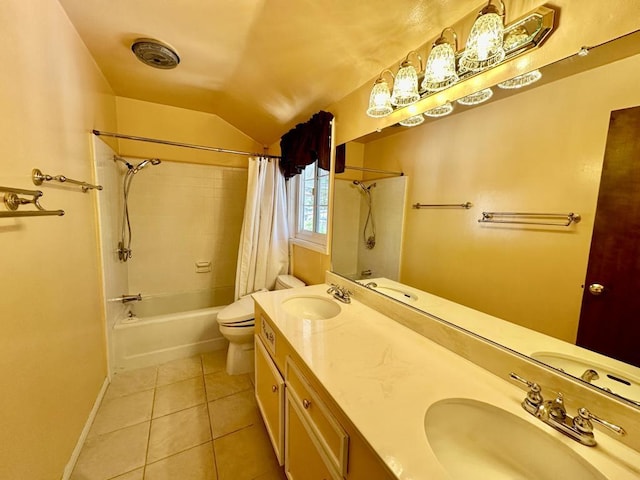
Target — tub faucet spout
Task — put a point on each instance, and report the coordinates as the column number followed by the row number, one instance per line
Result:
column 131, row 298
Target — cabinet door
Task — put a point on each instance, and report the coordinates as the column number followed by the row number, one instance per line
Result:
column 270, row 398
column 303, row 458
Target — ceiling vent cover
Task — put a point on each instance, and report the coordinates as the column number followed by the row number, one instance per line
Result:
column 155, row 54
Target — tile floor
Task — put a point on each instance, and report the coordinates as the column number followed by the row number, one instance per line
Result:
column 185, row 420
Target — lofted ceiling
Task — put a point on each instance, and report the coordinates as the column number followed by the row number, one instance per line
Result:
column 260, row 65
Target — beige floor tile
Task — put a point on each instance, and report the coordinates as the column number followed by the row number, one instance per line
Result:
column 177, row 432
column 120, row 412
column 131, row 381
column 135, row 475
column 221, row 385
column 178, row 370
column 213, row 362
column 178, row 396
column 233, row 413
column 245, row 454
column 193, row 464
column 111, row 454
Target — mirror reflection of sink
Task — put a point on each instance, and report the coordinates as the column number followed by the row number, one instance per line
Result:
column 396, row 293
column 613, row 381
column 393, row 292
column 473, row 439
column 311, row 307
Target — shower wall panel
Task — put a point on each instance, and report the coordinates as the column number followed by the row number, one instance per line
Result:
column 183, row 214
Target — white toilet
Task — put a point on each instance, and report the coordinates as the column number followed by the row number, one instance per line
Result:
column 237, row 324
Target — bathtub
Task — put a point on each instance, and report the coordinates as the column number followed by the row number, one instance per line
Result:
column 162, row 328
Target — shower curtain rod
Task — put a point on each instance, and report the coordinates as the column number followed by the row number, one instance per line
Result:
column 375, row 170
column 180, row 144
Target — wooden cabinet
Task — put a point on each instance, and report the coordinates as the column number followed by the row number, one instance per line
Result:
column 270, row 392
column 304, row 456
column 310, row 434
column 326, row 433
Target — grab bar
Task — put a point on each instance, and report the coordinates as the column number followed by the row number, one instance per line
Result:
column 466, row 205
column 39, row 177
column 12, row 201
column 512, row 217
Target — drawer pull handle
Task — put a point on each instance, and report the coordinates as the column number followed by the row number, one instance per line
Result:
column 274, row 388
column 306, row 403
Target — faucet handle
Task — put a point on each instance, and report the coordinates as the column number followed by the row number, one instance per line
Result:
column 534, row 398
column 582, row 422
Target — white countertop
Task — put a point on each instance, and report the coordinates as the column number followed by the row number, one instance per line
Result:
column 384, row 377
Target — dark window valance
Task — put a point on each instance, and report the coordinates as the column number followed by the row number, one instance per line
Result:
column 306, row 143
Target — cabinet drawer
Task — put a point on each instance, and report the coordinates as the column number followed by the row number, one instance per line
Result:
column 327, row 430
column 270, row 398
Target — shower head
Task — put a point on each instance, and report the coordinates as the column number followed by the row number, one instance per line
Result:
column 144, row 163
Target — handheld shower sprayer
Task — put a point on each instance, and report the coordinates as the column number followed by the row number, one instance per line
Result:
column 124, row 245
column 369, row 241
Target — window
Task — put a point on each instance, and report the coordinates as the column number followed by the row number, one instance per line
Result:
column 312, row 205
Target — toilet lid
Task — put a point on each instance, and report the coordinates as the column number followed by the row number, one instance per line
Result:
column 239, row 311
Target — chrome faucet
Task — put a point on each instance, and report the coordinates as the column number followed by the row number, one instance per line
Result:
column 131, row 298
column 554, row 414
column 371, row 285
column 340, row 293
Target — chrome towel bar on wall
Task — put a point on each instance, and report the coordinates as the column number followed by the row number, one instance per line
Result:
column 418, row 206
column 39, row 177
column 551, row 219
column 12, row 201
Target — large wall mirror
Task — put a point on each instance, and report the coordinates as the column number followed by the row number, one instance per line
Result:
column 538, row 149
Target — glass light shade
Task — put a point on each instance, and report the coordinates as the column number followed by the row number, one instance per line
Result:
column 485, row 44
column 405, row 86
column 440, row 111
column 412, row 121
column 476, row 97
column 521, row 80
column 440, row 71
column 380, row 100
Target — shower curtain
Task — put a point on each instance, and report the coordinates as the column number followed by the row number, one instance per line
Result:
column 263, row 253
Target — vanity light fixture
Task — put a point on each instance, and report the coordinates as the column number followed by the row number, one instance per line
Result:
column 380, row 98
column 484, row 47
column 440, row 70
column 476, row 98
column 405, row 86
column 412, row 121
column 490, row 44
column 521, row 80
column 441, row 111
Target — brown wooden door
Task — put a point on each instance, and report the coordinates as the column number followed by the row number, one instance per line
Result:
column 610, row 321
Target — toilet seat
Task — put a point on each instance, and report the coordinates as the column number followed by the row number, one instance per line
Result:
column 238, row 314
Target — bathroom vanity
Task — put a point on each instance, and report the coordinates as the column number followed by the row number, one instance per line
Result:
column 348, row 391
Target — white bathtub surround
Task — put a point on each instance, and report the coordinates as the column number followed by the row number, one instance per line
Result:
column 165, row 328
column 264, row 250
column 388, row 201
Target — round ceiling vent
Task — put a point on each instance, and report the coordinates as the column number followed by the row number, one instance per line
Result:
column 155, row 54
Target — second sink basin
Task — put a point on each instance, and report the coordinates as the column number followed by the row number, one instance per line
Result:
column 311, row 307
column 472, row 439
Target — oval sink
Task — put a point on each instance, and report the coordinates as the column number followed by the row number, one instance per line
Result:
column 311, row 307
column 473, row 439
column 396, row 293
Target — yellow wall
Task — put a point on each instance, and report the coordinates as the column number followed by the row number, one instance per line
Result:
column 541, row 150
column 52, row 351
column 309, row 266
column 145, row 119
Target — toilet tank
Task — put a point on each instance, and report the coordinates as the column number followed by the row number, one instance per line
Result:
column 288, row 281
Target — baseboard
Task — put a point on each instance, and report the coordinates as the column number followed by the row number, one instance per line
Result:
column 85, row 431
